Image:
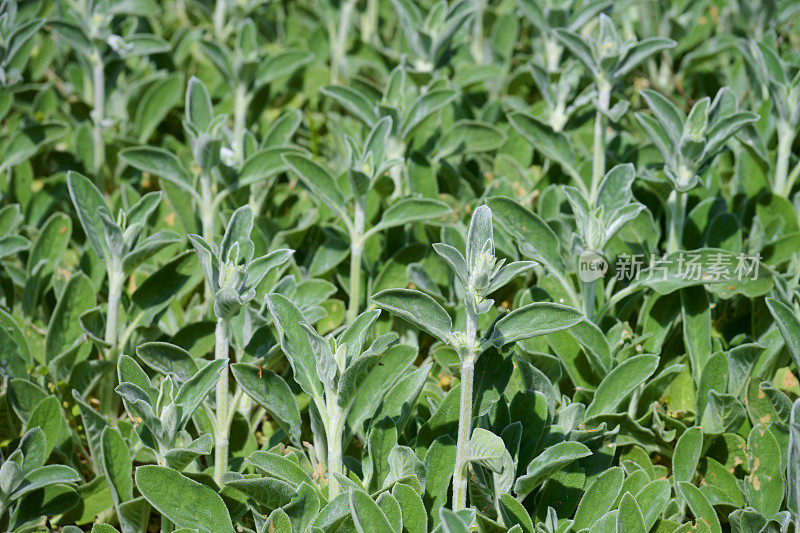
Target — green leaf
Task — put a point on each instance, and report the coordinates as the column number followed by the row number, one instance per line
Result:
column 142, row 44
column 696, row 317
column 272, row 393
column 452, row 522
column 415, row 519
column 687, row 454
column 789, row 325
column 629, row 518
column 579, row 47
column 74, row 35
column 88, row 202
column 295, row 343
column 194, row 391
column 25, row 143
column 764, row 486
column 159, row 162
column 156, row 103
column 367, row 516
column 620, row 382
column 547, row 463
column 416, row 308
column 486, row 449
column 353, row 101
column 425, row 106
column 47, row 501
column 553, row 145
column 266, row 491
column 198, row 507
column 399, row 401
column 319, row 182
column 668, row 115
column 179, row 458
column 514, row 514
column 701, row 508
column 440, row 461
column 391, row 509
column 410, row 210
column 640, row 52
column 538, row 318
column 469, row 137
column 281, row 64
column 280, row 467
column 653, row 499
column 44, row 476
column 534, row 237
column 199, row 110
column 263, row 165
column 168, row 359
column 147, row 248
column 793, row 462
column 379, row 382
column 64, row 328
column 117, row 465
column 724, row 413
column 599, row 498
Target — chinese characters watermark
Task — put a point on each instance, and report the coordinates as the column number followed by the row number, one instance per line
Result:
column 688, row 266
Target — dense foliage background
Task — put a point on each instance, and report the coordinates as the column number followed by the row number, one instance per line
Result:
column 407, row 265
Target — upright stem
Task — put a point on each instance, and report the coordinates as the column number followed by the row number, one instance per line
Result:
column 552, row 52
column 786, row 135
column 339, row 39
column 116, row 279
column 334, row 437
column 477, row 44
column 98, row 115
column 465, row 414
column 369, row 23
column 222, row 424
column 219, row 20
column 356, row 250
column 599, row 149
column 206, row 209
column 588, row 298
column 239, row 116
column 677, row 208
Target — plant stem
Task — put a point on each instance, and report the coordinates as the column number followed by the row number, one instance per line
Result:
column 677, row 210
column 339, row 39
column 599, row 149
column 206, row 209
column 116, row 279
column 219, row 20
column 356, row 250
column 552, row 52
column 369, row 23
column 98, row 115
column 334, row 437
column 222, row 424
column 166, row 524
column 786, row 135
column 465, row 414
column 477, row 44
column 588, row 298
column 239, row 116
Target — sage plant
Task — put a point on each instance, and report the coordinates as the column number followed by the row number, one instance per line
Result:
column 232, row 275
column 121, row 244
column 367, row 162
column 481, row 274
column 689, row 144
column 608, row 59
